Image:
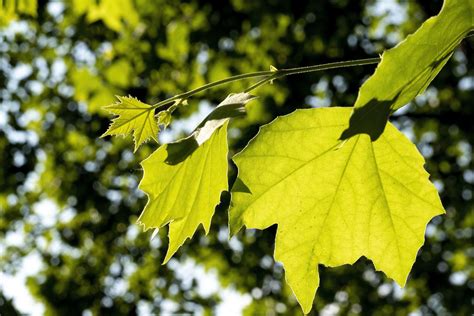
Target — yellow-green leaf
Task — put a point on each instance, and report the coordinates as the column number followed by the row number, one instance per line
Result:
column 164, row 117
column 184, row 194
column 134, row 117
column 333, row 202
column 407, row 69
column 184, row 180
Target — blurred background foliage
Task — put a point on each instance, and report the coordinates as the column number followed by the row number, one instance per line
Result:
column 69, row 200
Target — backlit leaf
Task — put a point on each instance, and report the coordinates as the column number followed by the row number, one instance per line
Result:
column 134, row 117
column 164, row 117
column 406, row 70
column 333, row 202
column 184, row 194
column 184, row 180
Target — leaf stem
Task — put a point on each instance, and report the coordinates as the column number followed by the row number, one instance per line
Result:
column 268, row 76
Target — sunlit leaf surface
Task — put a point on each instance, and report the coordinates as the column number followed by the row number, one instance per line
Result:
column 333, row 202
column 406, row 70
column 134, row 117
column 184, row 194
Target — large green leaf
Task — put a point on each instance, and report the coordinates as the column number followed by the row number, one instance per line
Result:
column 333, row 202
column 184, row 180
column 134, row 117
column 406, row 70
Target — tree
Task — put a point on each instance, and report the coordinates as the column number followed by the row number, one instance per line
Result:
column 154, row 51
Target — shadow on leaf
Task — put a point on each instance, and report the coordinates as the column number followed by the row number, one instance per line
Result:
column 180, row 150
column 369, row 119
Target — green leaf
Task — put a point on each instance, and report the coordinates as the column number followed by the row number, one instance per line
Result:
column 164, row 117
column 184, row 180
column 134, row 117
column 406, row 70
column 333, row 202
column 184, row 194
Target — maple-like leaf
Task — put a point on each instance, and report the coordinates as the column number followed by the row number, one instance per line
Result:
column 333, row 202
column 134, row 117
column 184, row 180
column 184, row 194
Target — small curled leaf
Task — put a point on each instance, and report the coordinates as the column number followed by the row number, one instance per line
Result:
column 164, row 117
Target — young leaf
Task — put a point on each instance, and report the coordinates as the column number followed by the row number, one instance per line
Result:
column 407, row 69
column 184, row 180
column 332, row 203
column 134, row 117
column 164, row 117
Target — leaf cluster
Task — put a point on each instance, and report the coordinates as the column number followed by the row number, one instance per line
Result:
column 339, row 183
